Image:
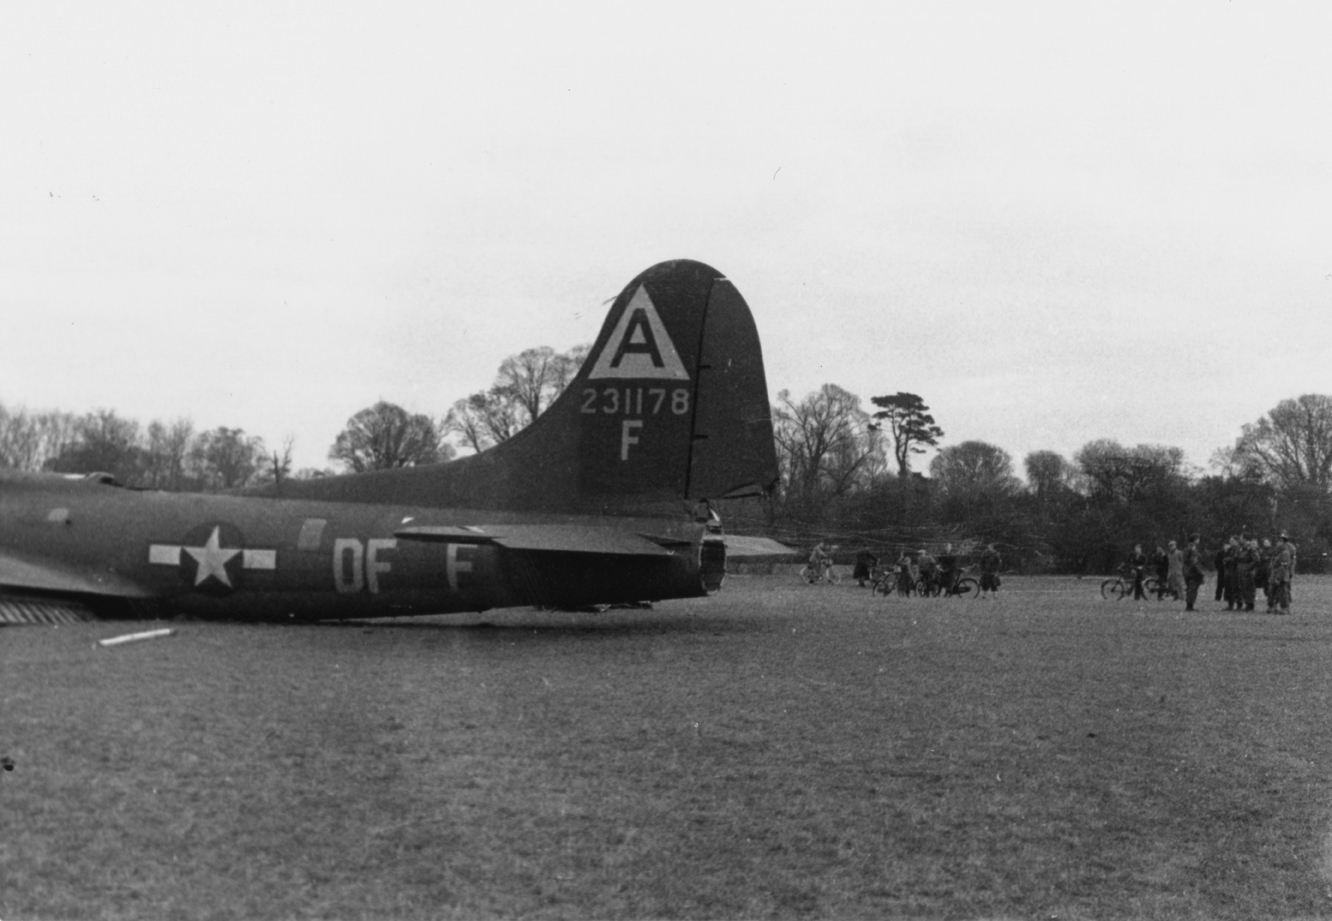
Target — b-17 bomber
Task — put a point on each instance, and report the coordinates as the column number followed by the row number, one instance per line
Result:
column 603, row 499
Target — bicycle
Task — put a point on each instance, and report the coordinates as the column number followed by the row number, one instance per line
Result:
column 963, row 587
column 813, row 573
column 888, row 580
column 877, row 581
column 1121, row 587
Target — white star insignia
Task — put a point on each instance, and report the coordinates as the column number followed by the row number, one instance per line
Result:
column 212, row 560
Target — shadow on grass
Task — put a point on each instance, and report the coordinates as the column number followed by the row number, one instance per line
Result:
column 535, row 626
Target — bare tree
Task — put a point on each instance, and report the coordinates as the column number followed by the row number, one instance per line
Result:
column 526, row 385
column 974, row 468
column 226, row 457
column 1291, row 446
column 566, row 365
column 384, row 436
column 29, row 439
column 1050, row 474
column 1116, row 472
column 166, row 454
column 275, row 466
column 528, row 381
column 825, row 443
column 103, row 442
column 483, row 419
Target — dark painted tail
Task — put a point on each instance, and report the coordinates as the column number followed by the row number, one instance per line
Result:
column 671, row 405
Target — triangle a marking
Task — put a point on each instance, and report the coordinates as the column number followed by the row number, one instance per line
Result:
column 639, row 347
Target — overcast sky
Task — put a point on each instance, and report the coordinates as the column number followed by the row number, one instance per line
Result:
column 1055, row 222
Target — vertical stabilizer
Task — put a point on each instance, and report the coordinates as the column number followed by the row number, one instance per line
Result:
column 670, row 405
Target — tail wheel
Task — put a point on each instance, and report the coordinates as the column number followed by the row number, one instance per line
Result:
column 833, row 577
column 966, row 588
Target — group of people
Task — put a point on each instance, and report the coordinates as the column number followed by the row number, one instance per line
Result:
column 1243, row 566
column 942, row 572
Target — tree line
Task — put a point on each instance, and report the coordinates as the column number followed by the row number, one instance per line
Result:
column 846, row 472
column 172, row 455
column 1070, row 514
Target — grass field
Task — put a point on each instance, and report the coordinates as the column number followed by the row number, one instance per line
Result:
column 778, row 750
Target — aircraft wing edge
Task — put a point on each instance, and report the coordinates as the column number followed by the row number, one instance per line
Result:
column 559, row 538
column 43, row 575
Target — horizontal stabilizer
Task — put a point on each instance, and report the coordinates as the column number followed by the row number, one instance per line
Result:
column 563, row 538
column 743, row 548
column 46, row 576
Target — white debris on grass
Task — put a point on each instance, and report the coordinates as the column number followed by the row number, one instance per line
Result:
column 132, row 637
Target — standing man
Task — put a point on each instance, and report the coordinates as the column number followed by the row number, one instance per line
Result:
column 928, row 570
column 1283, row 569
column 865, row 563
column 1193, row 573
column 1162, row 562
column 989, row 564
column 1219, row 564
column 1233, row 547
column 1246, row 568
column 1138, row 565
column 1262, row 575
column 1175, row 572
column 947, row 569
column 906, row 574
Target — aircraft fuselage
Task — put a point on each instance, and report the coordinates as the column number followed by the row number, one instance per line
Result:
column 233, row 556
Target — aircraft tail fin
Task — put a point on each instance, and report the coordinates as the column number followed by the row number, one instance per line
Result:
column 671, row 404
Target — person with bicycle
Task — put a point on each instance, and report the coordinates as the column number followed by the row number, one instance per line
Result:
column 1161, row 560
column 820, row 561
column 947, row 570
column 929, row 569
column 1138, row 566
column 906, row 574
column 866, row 563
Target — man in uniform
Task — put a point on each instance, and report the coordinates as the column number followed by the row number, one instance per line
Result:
column 1219, row 563
column 1232, row 573
column 947, row 569
column 1193, row 572
column 865, row 563
column 928, row 569
column 1138, row 567
column 1283, row 569
column 1175, row 572
column 989, row 564
column 1246, row 566
column 906, row 574
column 1162, row 562
column 1262, row 575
